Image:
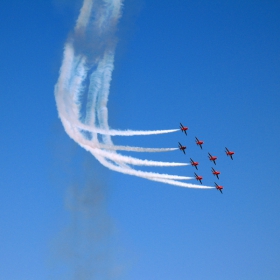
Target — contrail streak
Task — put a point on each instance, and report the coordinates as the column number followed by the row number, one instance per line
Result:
column 84, row 15
column 180, row 184
column 135, row 161
column 136, row 149
column 113, row 132
column 140, row 173
column 163, row 178
column 93, row 148
column 82, row 92
column 126, row 159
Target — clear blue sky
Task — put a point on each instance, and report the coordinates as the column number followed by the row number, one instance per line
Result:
column 215, row 67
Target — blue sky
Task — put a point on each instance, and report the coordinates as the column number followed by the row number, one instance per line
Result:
column 212, row 66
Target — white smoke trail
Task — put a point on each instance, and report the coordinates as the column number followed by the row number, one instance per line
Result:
column 86, row 71
column 84, row 15
column 136, row 149
column 163, row 178
column 180, row 184
column 94, row 148
column 134, row 161
column 113, row 132
column 69, row 88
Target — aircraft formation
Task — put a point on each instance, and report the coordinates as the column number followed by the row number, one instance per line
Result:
column 210, row 156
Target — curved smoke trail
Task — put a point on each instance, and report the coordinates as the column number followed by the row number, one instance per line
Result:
column 83, row 88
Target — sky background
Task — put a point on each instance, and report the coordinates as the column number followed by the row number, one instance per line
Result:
column 215, row 67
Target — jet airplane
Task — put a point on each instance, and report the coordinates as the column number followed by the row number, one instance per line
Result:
column 229, row 153
column 194, row 163
column 219, row 188
column 215, row 172
column 212, row 158
column 199, row 142
column 182, row 148
column 184, row 128
column 198, row 178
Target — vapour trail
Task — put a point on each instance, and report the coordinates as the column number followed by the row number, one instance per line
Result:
column 180, row 184
column 135, row 161
column 93, row 147
column 102, row 155
column 84, row 84
column 163, row 178
column 84, row 15
column 113, row 132
column 71, row 110
column 136, row 149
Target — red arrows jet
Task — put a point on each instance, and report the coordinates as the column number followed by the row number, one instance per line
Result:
column 229, row 153
column 212, row 158
column 215, row 172
column 198, row 178
column 183, row 128
column 182, row 148
column 194, row 163
column 199, row 142
column 219, row 188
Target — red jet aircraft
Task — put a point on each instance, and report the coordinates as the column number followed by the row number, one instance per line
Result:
column 219, row 188
column 229, row 153
column 212, row 158
column 182, row 148
column 198, row 178
column 183, row 128
column 199, row 142
column 194, row 163
column 215, row 172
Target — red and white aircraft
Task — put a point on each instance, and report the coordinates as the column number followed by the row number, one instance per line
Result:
column 219, row 188
column 229, row 153
column 199, row 142
column 182, row 148
column 194, row 163
column 212, row 158
column 198, row 178
column 215, row 172
column 184, row 128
